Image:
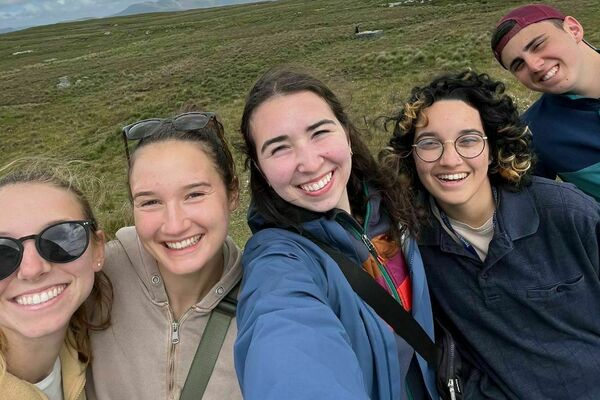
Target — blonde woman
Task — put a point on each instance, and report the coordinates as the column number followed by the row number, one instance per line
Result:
column 51, row 256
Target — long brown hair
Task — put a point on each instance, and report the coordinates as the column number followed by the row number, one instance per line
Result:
column 365, row 170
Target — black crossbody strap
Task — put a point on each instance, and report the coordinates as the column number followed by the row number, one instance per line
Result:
column 384, row 305
column 209, row 347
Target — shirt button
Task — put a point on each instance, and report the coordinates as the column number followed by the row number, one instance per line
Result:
column 220, row 290
column 485, row 275
column 155, row 279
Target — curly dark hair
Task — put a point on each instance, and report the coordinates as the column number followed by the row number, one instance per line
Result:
column 284, row 80
column 509, row 139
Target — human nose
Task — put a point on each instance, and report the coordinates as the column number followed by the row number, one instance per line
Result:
column 32, row 266
column 175, row 219
column 449, row 154
column 534, row 62
column 309, row 159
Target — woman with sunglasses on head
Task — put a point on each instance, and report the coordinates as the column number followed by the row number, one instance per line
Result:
column 513, row 261
column 303, row 332
column 174, row 270
column 51, row 256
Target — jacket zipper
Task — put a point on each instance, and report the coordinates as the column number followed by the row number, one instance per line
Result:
column 175, row 332
column 360, row 233
column 451, row 389
column 452, row 383
column 174, row 341
column 175, row 327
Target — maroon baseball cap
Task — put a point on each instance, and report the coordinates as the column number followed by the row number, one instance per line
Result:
column 524, row 16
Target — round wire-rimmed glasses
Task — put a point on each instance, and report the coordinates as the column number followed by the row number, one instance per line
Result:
column 468, row 146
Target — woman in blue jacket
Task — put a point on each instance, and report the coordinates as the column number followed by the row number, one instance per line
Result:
column 303, row 332
column 512, row 261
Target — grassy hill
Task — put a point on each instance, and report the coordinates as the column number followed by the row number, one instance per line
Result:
column 127, row 68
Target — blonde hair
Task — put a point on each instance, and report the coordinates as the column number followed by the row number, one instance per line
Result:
column 94, row 313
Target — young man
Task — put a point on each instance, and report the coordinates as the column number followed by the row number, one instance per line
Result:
column 546, row 52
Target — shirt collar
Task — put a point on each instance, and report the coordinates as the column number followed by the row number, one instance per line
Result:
column 517, row 217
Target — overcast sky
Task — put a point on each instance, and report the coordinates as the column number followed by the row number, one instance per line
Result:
column 21, row 13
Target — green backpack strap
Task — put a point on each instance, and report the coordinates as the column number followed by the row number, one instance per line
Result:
column 209, row 347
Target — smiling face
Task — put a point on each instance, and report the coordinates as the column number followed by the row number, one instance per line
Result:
column 180, row 206
column 460, row 186
column 546, row 58
column 40, row 297
column 303, row 151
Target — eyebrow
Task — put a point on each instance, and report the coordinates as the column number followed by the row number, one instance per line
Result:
column 525, row 49
column 281, row 138
column 318, row 124
column 269, row 142
column 186, row 187
column 460, row 133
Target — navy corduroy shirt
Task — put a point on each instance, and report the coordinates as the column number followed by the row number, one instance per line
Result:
column 530, row 313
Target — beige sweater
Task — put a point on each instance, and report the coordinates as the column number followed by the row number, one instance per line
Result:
column 73, row 379
column 136, row 358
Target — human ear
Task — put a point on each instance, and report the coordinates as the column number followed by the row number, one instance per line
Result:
column 98, row 241
column 234, row 199
column 573, row 27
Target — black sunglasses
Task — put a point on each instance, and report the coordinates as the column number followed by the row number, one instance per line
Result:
column 147, row 127
column 62, row 242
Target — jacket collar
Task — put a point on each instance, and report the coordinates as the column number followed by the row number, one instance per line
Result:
column 147, row 270
column 375, row 224
column 517, row 218
column 333, row 226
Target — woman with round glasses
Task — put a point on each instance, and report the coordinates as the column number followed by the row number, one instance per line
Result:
column 303, row 331
column 51, row 256
column 512, row 261
column 173, row 271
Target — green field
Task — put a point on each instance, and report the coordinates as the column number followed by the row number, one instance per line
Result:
column 127, row 68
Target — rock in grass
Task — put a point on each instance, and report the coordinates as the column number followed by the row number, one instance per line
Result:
column 368, row 34
column 63, row 82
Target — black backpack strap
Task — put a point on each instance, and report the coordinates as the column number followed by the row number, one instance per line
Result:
column 209, row 347
column 384, row 305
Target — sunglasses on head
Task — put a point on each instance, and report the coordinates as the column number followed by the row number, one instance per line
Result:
column 62, row 242
column 147, row 127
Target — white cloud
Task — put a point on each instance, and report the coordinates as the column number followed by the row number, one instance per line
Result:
column 8, row 15
column 12, row 2
column 22, row 13
column 31, row 8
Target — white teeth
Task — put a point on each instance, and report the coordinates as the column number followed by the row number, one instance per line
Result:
column 550, row 73
column 42, row 297
column 311, row 187
column 452, row 177
column 184, row 243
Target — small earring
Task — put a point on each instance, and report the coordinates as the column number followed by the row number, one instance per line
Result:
column 99, row 264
